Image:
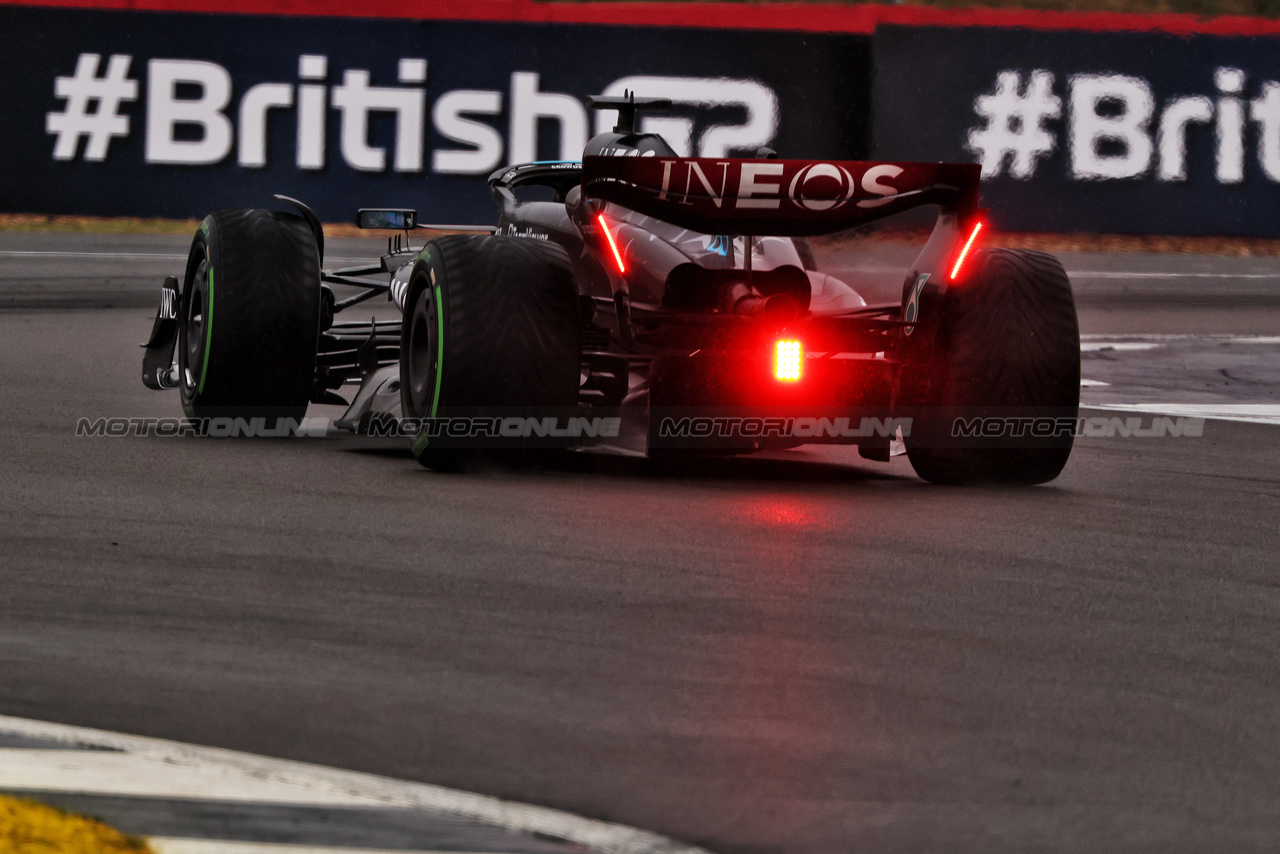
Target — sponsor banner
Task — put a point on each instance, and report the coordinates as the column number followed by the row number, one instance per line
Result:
column 1119, row 132
column 174, row 114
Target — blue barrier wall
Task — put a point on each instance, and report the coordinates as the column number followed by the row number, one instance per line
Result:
column 206, row 111
column 1079, row 128
column 1120, row 132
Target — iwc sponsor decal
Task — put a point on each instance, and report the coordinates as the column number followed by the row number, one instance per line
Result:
column 511, row 230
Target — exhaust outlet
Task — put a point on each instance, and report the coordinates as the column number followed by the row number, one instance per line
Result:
column 779, row 309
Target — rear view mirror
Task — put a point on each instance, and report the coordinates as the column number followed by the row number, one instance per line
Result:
column 391, row 218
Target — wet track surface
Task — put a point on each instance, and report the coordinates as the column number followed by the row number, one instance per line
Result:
column 805, row 652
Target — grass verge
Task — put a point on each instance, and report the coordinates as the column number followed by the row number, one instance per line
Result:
column 29, row 827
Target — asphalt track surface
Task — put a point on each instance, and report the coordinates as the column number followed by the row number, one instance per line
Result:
column 801, row 653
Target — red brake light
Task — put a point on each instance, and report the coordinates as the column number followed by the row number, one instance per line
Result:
column 964, row 253
column 617, row 256
column 788, row 360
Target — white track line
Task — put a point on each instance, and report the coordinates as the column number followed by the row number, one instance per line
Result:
column 51, row 253
column 320, row 782
column 164, row 256
column 174, row 845
column 1249, row 413
column 1210, row 338
column 1084, row 274
column 1089, row 346
column 109, row 773
column 1090, row 274
column 1116, row 274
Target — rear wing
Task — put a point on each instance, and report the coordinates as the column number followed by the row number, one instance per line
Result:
column 791, row 198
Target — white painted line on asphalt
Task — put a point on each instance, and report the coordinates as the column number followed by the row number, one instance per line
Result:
column 877, row 269
column 1117, row 274
column 1092, row 383
column 174, row 845
column 52, row 253
column 601, row 836
column 1250, row 413
column 1089, row 346
column 167, row 256
column 1084, row 274
column 1208, row 338
column 103, row 773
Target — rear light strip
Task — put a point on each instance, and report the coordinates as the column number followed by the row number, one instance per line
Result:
column 617, row 256
column 964, row 253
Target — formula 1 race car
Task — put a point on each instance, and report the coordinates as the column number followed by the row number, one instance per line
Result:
column 641, row 302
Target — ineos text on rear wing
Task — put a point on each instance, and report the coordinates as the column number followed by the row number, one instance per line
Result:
column 795, row 198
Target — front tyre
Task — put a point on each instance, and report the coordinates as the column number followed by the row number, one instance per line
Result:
column 250, row 318
column 491, row 326
column 996, row 396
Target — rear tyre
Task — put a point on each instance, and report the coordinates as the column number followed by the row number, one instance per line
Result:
column 1008, row 347
column 250, row 318
column 491, row 326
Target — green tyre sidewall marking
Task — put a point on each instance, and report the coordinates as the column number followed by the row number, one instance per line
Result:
column 421, row 442
column 435, row 395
